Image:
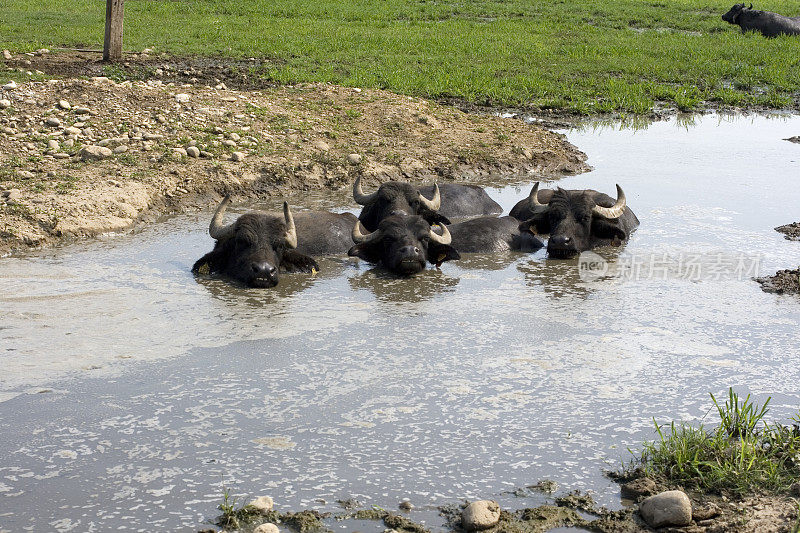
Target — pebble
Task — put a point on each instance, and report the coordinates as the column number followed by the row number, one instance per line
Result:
column 5, row 104
column 63, row 104
column 7, row 55
column 263, row 504
column 322, row 146
column 89, row 132
column 159, row 72
column 53, row 145
column 8, row 131
column 354, row 159
column 41, row 51
column 228, row 99
column 61, row 155
column 94, row 153
column 479, row 515
column 193, row 151
column 72, row 130
column 82, row 110
column 670, row 508
column 161, row 119
column 180, row 151
column 234, row 136
column 12, row 195
column 237, row 156
column 152, row 136
column 228, row 142
column 69, row 143
column 53, row 122
column 266, row 528
column 206, row 154
column 121, row 149
column 182, row 98
column 26, row 174
column 10, row 86
column 406, row 505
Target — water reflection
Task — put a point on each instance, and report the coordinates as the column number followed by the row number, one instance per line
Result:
column 389, row 288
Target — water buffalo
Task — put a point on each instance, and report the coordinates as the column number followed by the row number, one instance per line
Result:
column 768, row 23
column 435, row 203
column 402, row 244
column 396, row 198
column 576, row 220
column 255, row 247
column 492, row 234
column 462, row 201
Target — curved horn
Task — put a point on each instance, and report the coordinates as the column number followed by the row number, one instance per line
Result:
column 434, row 203
column 359, row 237
column 533, row 196
column 291, row 230
column 216, row 229
column 614, row 211
column 444, row 238
column 359, row 196
column 751, row 6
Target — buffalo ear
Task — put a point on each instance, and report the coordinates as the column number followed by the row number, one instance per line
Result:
column 294, row 261
column 603, row 229
column 433, row 218
column 208, row 263
column 439, row 253
column 365, row 251
column 538, row 223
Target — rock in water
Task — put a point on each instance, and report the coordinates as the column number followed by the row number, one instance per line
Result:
column 479, row 515
column 266, row 528
column 670, row 508
column 263, row 504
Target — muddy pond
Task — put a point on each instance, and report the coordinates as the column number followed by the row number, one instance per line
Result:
column 133, row 394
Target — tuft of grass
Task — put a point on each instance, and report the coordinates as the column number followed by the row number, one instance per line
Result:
column 740, row 454
column 233, row 517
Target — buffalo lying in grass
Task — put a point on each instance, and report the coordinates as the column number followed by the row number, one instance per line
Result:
column 576, row 220
column 258, row 246
column 768, row 23
column 402, row 244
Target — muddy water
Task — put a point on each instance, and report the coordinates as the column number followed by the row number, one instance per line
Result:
column 134, row 393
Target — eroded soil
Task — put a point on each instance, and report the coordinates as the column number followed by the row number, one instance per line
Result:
column 56, row 185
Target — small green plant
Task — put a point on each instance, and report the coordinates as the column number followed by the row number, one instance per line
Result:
column 233, row 517
column 740, row 454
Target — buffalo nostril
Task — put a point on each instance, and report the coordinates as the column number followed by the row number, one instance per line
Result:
column 567, row 239
column 271, row 271
column 416, row 250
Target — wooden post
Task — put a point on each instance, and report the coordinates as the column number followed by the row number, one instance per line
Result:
column 112, row 47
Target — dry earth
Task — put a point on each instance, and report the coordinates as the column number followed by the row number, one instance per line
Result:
column 87, row 155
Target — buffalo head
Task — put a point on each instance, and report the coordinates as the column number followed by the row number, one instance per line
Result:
column 732, row 16
column 254, row 248
column 576, row 221
column 403, row 244
column 396, row 198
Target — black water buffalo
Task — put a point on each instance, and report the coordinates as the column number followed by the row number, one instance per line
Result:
column 402, row 244
column 435, row 203
column 396, row 198
column 768, row 23
column 257, row 246
column 492, row 234
column 462, row 201
column 576, row 220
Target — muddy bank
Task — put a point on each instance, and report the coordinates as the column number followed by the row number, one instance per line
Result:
column 783, row 282
column 89, row 156
column 790, row 231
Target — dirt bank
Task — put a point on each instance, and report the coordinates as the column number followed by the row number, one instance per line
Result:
column 84, row 156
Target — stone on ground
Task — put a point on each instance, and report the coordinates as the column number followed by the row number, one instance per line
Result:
column 670, row 508
column 479, row 515
column 94, row 153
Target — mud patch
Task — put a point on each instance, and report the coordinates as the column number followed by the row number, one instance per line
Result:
column 783, row 282
column 790, row 231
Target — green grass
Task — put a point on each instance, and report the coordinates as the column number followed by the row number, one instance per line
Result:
column 578, row 55
column 233, row 517
column 742, row 453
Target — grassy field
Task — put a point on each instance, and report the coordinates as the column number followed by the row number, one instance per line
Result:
column 576, row 55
